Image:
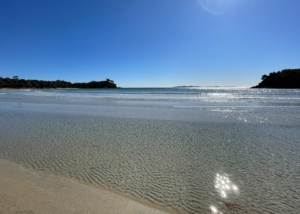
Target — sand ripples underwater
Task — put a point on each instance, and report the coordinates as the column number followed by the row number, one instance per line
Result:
column 192, row 167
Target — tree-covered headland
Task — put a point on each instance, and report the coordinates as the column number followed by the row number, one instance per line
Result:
column 15, row 82
column 287, row 78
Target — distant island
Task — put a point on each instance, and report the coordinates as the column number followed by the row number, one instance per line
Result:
column 287, row 78
column 15, row 82
column 185, row 86
column 193, row 86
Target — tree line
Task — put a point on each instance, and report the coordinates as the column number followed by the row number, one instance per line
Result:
column 287, row 78
column 15, row 82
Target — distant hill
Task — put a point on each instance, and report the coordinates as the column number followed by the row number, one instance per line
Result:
column 287, row 78
column 15, row 82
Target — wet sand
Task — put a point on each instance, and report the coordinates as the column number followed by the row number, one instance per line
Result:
column 27, row 191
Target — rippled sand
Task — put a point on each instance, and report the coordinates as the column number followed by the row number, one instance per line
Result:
column 192, row 160
column 28, row 192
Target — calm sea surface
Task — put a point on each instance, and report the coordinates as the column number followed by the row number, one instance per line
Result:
column 192, row 149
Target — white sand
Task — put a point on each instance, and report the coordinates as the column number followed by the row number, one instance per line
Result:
column 28, row 192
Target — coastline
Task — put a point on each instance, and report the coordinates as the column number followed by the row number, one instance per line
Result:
column 24, row 190
column 156, row 151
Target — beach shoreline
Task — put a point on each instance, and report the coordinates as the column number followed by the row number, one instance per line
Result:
column 149, row 151
column 24, row 190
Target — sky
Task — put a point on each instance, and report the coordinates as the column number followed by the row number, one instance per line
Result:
column 149, row 43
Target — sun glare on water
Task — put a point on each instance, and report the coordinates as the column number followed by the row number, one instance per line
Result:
column 224, row 186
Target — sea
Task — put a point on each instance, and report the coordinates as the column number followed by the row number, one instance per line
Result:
column 186, row 149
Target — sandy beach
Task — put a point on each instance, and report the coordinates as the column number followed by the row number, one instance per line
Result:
column 76, row 151
column 29, row 192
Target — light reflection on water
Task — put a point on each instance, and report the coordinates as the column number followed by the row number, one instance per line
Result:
column 225, row 187
column 215, row 210
column 202, row 94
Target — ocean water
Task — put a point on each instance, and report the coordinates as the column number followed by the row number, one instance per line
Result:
column 191, row 149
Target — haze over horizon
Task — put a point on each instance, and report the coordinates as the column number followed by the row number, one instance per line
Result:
column 149, row 43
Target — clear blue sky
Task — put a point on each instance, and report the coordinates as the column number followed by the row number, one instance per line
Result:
column 142, row 43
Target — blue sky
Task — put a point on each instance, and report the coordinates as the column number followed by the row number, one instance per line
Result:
column 144, row 43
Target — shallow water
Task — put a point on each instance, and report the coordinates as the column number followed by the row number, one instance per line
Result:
column 232, row 154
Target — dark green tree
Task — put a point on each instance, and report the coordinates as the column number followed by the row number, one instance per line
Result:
column 287, row 78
